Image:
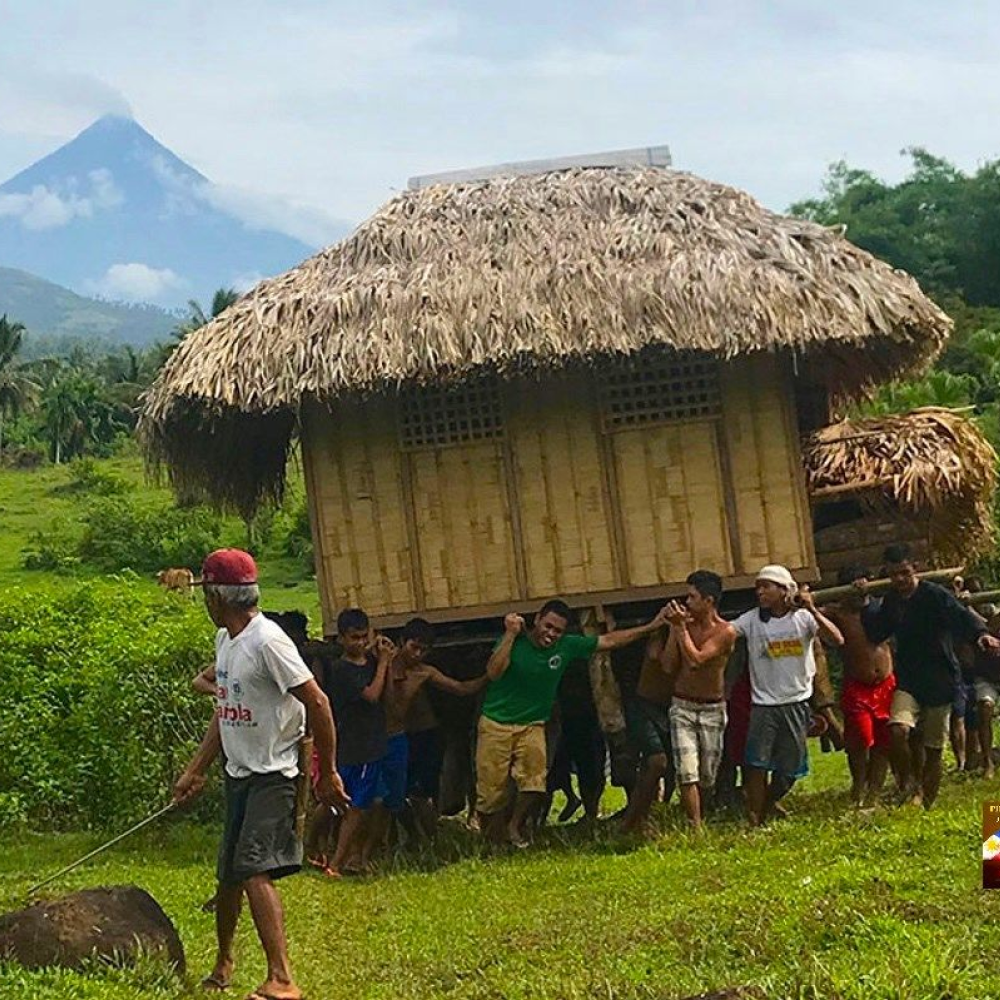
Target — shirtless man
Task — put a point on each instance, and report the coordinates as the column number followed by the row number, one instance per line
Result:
column 405, row 683
column 648, row 721
column 696, row 655
column 866, row 697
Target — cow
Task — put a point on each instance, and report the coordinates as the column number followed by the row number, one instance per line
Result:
column 180, row 581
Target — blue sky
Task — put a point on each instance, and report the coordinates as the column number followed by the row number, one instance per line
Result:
column 334, row 105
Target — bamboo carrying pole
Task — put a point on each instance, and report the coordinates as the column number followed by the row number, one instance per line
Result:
column 880, row 586
column 983, row 597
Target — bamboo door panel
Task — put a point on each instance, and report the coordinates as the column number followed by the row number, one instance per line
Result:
column 672, row 503
column 463, row 525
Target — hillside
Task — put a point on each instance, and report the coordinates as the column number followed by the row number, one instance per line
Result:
column 50, row 311
column 115, row 213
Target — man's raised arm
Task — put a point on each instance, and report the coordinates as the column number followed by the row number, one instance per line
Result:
column 626, row 636
column 499, row 661
column 719, row 644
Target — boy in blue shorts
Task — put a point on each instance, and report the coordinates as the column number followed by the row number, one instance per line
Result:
column 355, row 684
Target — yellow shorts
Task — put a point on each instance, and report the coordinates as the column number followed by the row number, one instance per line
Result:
column 508, row 751
column 933, row 720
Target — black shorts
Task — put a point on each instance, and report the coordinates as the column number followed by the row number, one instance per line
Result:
column 423, row 778
column 648, row 726
column 580, row 748
column 259, row 837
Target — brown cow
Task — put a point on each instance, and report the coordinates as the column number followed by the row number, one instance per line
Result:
column 180, row 581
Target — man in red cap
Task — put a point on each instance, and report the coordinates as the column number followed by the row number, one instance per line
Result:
column 265, row 694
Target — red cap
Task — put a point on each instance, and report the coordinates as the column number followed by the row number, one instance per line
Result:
column 229, row 568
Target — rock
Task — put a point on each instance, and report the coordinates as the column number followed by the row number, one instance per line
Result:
column 115, row 923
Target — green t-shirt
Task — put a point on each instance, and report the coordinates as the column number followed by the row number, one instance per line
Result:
column 526, row 691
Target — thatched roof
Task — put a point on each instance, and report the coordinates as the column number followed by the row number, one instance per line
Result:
column 931, row 462
column 521, row 272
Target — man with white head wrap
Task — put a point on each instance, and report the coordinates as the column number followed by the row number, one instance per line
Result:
column 782, row 664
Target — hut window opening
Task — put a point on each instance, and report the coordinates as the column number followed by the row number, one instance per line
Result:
column 438, row 416
column 635, row 392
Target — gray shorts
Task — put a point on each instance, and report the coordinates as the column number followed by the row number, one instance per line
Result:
column 259, row 837
column 776, row 740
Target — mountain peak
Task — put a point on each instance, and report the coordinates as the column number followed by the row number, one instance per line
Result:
column 114, row 212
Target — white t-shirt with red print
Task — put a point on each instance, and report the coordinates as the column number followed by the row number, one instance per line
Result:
column 261, row 723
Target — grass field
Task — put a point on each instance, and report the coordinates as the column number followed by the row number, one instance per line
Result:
column 32, row 500
column 827, row 904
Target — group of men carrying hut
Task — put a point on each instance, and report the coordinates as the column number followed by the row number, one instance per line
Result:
column 438, row 365
column 897, row 701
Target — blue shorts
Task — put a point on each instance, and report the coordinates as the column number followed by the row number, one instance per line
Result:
column 963, row 705
column 363, row 783
column 394, row 772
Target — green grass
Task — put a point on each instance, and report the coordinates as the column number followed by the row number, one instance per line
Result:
column 827, row 904
column 33, row 500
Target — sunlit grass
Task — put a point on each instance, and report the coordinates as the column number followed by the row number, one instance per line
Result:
column 830, row 903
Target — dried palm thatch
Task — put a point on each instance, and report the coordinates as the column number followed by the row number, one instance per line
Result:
column 932, row 462
column 535, row 271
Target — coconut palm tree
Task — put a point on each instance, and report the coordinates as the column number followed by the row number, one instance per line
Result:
column 18, row 390
column 221, row 301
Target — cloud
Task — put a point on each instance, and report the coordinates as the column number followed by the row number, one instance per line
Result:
column 37, row 100
column 136, row 282
column 274, row 213
column 311, row 225
column 244, row 282
column 49, row 208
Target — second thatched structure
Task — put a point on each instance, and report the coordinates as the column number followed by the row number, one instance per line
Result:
column 927, row 478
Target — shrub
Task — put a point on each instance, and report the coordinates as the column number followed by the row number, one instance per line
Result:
column 297, row 538
column 99, row 715
column 86, row 476
column 54, row 550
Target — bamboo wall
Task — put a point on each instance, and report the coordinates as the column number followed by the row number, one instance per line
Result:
column 556, row 506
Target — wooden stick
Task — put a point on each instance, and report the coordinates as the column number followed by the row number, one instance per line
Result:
column 98, row 850
column 982, row 597
column 303, row 785
column 881, row 586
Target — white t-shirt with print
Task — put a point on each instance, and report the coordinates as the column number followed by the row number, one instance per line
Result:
column 260, row 722
column 780, row 655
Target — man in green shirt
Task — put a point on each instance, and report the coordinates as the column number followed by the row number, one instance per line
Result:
column 524, row 671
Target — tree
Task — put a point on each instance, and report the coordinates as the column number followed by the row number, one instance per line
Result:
column 18, row 390
column 938, row 223
column 937, row 388
column 77, row 415
column 221, row 301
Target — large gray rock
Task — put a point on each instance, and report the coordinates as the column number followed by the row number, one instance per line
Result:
column 115, row 923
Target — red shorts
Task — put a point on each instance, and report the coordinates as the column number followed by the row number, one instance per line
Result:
column 866, row 712
column 738, row 725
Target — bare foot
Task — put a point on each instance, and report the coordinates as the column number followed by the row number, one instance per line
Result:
column 270, row 989
column 220, row 978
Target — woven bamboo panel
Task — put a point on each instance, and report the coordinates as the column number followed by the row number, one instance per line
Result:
column 767, row 474
column 664, row 388
column 363, row 557
column 560, row 489
column 672, row 503
column 463, row 525
column 440, row 416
